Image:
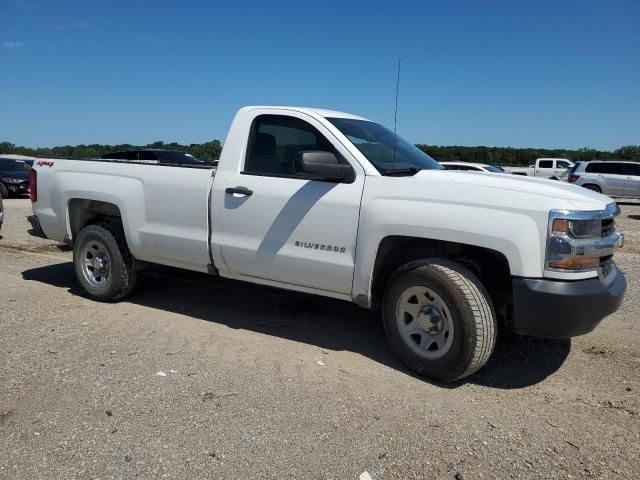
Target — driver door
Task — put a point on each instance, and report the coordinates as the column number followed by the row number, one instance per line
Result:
column 280, row 226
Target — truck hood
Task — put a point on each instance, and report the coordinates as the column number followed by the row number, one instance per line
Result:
column 557, row 191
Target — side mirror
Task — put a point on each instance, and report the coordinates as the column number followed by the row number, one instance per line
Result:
column 322, row 166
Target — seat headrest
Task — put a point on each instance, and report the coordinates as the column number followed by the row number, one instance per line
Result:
column 265, row 144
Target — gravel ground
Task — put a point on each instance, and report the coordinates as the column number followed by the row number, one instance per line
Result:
column 193, row 377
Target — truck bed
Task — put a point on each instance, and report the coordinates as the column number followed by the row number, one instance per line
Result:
column 164, row 207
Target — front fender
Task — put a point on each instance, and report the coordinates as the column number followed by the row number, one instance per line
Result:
column 519, row 234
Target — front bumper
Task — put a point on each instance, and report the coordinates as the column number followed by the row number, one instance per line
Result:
column 562, row 309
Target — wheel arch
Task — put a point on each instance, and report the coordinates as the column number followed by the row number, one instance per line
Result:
column 490, row 266
column 592, row 184
column 82, row 212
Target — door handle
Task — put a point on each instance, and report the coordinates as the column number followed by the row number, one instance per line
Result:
column 239, row 191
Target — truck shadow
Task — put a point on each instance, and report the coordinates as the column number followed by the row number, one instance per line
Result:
column 325, row 323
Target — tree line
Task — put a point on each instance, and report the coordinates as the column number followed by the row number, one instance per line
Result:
column 210, row 151
column 207, row 151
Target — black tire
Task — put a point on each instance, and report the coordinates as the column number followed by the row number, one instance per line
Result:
column 122, row 276
column 4, row 191
column 472, row 319
column 593, row 188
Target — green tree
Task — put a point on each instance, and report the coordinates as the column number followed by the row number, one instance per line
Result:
column 6, row 147
column 630, row 152
column 208, row 151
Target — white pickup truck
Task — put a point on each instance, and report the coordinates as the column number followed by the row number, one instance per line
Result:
column 554, row 168
column 333, row 204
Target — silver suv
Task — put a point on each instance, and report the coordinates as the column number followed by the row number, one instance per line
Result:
column 618, row 178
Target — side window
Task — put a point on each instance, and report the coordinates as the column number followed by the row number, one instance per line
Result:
column 562, row 164
column 632, row 169
column 594, row 167
column 147, row 156
column 124, row 156
column 275, row 141
column 613, row 168
column 545, row 164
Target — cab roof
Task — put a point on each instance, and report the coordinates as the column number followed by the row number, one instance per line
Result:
column 309, row 110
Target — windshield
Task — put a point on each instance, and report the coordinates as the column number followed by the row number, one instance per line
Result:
column 491, row 168
column 377, row 144
column 9, row 165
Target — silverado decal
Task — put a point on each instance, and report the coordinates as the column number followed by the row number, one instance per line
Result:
column 320, row 246
column 42, row 163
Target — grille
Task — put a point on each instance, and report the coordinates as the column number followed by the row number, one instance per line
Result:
column 608, row 227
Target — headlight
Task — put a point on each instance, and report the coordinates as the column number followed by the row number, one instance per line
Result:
column 577, row 228
column 12, row 180
column 580, row 241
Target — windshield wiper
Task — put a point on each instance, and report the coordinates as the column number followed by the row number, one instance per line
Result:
column 410, row 171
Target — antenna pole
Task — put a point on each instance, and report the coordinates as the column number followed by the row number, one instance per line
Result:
column 395, row 118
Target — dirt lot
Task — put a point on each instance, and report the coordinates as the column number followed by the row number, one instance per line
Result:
column 197, row 378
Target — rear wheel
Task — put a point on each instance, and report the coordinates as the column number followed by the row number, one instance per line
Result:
column 102, row 262
column 4, row 191
column 439, row 319
column 593, row 188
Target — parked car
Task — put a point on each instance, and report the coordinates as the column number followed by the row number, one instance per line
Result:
column 471, row 167
column 14, row 177
column 333, row 204
column 156, row 156
column 618, row 178
column 554, row 168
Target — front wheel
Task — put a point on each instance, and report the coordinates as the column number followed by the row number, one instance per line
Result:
column 4, row 191
column 102, row 262
column 439, row 319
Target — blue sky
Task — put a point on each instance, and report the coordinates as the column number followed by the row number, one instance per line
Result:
column 516, row 73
